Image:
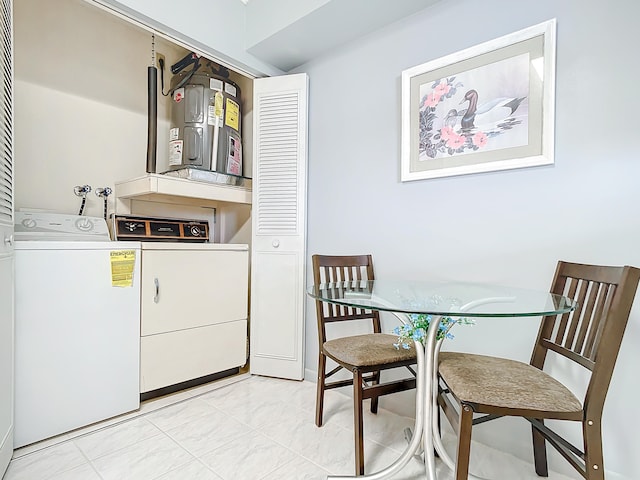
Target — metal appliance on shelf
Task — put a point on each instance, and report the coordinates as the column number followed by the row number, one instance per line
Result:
column 206, row 118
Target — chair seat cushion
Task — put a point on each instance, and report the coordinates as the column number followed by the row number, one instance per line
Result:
column 368, row 350
column 504, row 383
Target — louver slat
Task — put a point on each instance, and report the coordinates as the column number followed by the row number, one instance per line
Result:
column 6, row 116
column 277, row 150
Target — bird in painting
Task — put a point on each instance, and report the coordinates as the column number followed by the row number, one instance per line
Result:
column 451, row 118
column 491, row 111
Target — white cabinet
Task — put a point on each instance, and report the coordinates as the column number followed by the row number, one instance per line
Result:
column 194, row 311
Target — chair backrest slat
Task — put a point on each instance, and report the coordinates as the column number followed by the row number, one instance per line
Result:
column 336, row 269
column 604, row 298
column 568, row 290
column 590, row 335
column 608, row 293
column 587, row 323
column 336, row 273
column 577, row 315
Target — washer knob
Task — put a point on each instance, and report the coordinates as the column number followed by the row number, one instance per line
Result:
column 195, row 231
column 84, row 224
column 29, row 223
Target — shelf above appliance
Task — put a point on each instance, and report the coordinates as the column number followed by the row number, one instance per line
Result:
column 161, row 188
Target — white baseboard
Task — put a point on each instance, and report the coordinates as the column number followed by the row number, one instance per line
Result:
column 310, row 375
column 616, row 476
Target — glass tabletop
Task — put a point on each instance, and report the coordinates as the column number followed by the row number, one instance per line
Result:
column 442, row 298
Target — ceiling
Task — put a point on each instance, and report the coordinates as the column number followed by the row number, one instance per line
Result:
column 287, row 34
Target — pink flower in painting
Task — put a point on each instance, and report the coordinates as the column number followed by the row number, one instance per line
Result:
column 480, row 139
column 455, row 141
column 442, row 88
column 446, row 133
column 432, row 100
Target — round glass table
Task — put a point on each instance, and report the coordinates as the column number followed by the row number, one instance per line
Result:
column 439, row 300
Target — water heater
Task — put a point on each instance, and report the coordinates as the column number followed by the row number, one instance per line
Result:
column 205, row 124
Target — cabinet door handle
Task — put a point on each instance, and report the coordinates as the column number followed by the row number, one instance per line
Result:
column 156, row 297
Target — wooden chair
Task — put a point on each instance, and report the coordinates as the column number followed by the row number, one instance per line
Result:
column 365, row 356
column 590, row 336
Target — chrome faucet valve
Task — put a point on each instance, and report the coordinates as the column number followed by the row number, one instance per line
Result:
column 82, row 191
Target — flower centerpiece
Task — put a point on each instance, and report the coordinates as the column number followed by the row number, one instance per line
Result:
column 415, row 330
column 417, row 324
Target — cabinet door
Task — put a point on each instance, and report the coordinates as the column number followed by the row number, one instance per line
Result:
column 6, row 237
column 279, row 226
column 175, row 357
column 192, row 288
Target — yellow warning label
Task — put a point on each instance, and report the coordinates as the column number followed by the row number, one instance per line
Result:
column 122, row 263
column 232, row 115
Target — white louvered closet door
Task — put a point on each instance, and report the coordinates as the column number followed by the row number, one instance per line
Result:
column 279, row 226
column 6, row 235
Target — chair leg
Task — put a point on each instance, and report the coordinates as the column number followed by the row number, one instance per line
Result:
column 465, row 424
column 322, row 365
column 539, row 452
column 374, row 400
column 358, row 421
column 594, row 461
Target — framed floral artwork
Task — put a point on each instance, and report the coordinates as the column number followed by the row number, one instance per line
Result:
column 486, row 108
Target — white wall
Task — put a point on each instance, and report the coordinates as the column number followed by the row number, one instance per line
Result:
column 503, row 227
column 80, row 103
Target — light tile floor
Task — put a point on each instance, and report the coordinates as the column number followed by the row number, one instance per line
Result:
column 255, row 429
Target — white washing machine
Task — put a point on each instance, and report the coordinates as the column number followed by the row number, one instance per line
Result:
column 77, row 329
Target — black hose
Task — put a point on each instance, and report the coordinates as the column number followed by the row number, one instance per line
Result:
column 161, row 64
column 84, row 201
column 152, row 118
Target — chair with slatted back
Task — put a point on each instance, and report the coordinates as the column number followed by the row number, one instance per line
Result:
column 589, row 336
column 365, row 356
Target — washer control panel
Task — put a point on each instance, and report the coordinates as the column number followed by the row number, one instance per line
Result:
column 59, row 227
